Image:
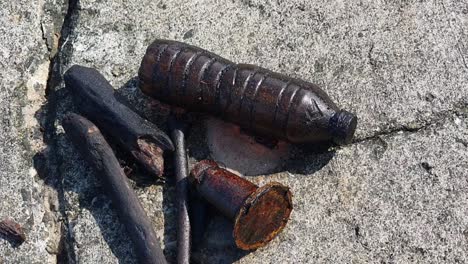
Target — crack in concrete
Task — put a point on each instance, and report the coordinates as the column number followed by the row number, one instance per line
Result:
column 372, row 61
column 460, row 109
column 394, row 131
column 44, row 37
column 65, row 253
column 461, row 55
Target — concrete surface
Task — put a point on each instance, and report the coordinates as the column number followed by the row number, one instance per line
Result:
column 397, row 194
column 28, row 39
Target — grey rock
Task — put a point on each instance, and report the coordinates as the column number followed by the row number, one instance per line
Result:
column 25, row 195
column 363, row 207
column 397, row 194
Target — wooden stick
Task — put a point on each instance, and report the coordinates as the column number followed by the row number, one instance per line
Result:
column 97, row 152
column 94, row 97
column 178, row 129
column 12, row 231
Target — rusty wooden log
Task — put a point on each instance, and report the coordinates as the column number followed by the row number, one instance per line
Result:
column 96, row 151
column 259, row 213
column 259, row 100
column 94, row 98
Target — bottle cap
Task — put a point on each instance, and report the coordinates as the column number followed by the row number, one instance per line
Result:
column 342, row 127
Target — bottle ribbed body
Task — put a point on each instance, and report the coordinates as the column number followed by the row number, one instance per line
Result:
column 257, row 99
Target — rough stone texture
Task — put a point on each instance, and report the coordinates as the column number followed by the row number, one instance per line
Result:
column 27, row 30
column 394, row 199
column 398, row 194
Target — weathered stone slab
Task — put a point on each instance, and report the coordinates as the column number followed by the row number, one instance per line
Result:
column 394, row 64
column 28, row 36
column 399, row 198
column 398, row 66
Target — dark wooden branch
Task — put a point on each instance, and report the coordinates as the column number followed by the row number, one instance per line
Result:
column 178, row 129
column 12, row 232
column 97, row 152
column 94, row 97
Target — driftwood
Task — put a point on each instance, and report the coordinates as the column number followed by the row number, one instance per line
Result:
column 94, row 97
column 178, row 129
column 97, row 152
column 12, row 231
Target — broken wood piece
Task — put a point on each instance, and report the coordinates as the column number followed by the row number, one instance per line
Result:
column 94, row 148
column 94, row 98
column 178, row 129
column 12, row 231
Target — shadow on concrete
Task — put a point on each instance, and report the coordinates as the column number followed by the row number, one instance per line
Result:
column 13, row 241
column 253, row 156
column 307, row 160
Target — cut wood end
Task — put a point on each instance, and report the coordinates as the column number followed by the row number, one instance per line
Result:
column 150, row 155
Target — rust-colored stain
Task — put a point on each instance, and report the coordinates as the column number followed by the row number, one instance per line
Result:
column 150, row 155
column 259, row 214
column 257, row 99
column 264, row 214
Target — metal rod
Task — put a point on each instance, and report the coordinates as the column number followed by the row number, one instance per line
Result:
column 178, row 129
